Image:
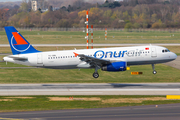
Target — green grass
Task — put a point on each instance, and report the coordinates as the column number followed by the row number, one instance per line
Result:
column 61, row 37
column 43, row 103
column 165, row 74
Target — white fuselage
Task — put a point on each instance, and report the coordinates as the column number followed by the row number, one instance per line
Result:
column 66, row 59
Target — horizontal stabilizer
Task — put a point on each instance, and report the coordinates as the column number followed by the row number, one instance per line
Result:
column 17, row 57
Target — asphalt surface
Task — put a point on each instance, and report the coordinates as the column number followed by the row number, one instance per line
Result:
column 56, row 45
column 90, row 89
column 151, row 112
column 174, row 63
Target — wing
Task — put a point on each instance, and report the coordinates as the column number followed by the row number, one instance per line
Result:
column 92, row 60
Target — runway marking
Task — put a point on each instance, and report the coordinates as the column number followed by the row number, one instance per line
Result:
column 124, row 89
column 90, row 90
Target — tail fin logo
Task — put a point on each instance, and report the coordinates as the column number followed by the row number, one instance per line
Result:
column 19, row 43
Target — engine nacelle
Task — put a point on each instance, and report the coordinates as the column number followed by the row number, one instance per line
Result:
column 116, row 66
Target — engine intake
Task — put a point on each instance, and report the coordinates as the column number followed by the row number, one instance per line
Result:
column 116, row 66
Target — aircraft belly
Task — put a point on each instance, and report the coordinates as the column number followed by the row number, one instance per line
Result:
column 61, row 64
column 148, row 62
column 61, row 67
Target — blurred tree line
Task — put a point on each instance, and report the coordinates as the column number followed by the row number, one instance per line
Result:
column 127, row 14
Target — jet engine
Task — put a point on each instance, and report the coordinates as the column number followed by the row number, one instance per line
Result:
column 116, row 66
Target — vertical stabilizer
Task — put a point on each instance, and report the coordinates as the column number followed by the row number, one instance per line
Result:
column 18, row 44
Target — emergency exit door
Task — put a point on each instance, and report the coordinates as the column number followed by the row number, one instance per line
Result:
column 153, row 52
column 39, row 59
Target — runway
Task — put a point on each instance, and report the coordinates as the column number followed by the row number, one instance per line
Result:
column 115, row 45
column 162, row 112
column 90, row 89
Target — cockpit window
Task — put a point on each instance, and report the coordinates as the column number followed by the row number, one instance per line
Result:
column 166, row 50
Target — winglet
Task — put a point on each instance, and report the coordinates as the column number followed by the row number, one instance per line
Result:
column 75, row 54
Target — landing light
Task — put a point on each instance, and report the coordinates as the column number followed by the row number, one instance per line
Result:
column 128, row 68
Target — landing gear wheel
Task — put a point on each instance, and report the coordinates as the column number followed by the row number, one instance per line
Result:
column 95, row 75
column 154, row 72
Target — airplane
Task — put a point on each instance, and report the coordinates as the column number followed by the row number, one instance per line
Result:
column 107, row 59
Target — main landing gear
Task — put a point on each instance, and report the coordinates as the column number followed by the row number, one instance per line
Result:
column 154, row 71
column 95, row 74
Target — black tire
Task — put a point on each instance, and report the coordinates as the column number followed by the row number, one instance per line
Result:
column 95, row 75
column 154, row 72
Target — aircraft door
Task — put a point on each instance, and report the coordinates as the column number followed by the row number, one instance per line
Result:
column 39, row 59
column 153, row 52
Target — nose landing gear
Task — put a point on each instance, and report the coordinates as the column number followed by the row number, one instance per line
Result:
column 154, row 71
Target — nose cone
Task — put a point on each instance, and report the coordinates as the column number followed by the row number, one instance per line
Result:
column 173, row 56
